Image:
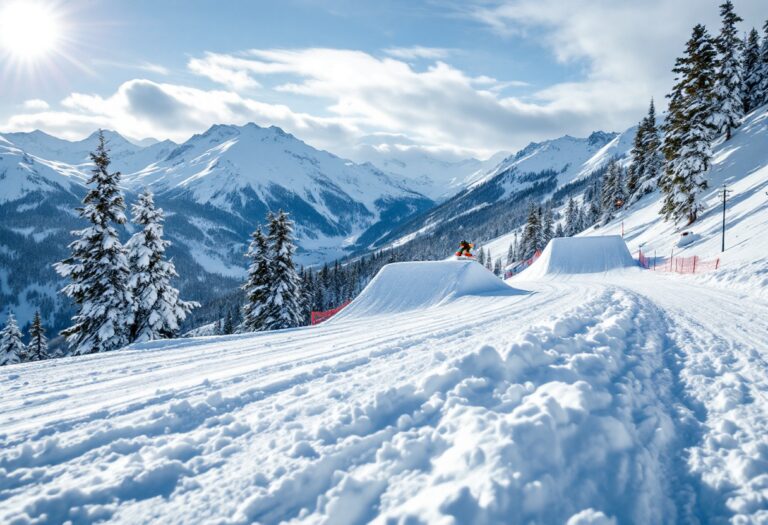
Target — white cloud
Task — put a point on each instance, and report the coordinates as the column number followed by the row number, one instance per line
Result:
column 142, row 108
column 149, row 67
column 348, row 97
column 627, row 48
column 439, row 106
column 36, row 104
column 414, row 52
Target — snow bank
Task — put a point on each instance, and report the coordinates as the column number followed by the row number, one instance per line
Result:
column 577, row 255
column 406, row 286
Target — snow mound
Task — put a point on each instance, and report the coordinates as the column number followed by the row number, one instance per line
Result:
column 578, row 255
column 406, row 286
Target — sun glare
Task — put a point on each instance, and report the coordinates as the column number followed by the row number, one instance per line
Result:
column 28, row 30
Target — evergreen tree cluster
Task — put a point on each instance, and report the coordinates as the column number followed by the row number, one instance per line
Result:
column 717, row 80
column 122, row 292
column 12, row 348
column 274, row 295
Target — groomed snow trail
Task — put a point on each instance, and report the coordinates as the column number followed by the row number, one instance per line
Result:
column 620, row 398
column 720, row 343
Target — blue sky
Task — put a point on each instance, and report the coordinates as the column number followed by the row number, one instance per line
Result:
column 451, row 78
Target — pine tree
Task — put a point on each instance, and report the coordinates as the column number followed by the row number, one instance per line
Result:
column 37, row 349
column 511, row 255
column 559, row 231
column 647, row 164
column 547, row 226
column 531, row 235
column 258, row 283
column 497, row 267
column 581, row 220
column 636, row 169
column 158, row 310
column 571, row 218
column 620, row 188
column 98, row 266
column 761, row 94
column 750, row 64
column 229, row 326
column 689, row 129
column 12, row 350
column 729, row 105
column 283, row 306
column 610, row 191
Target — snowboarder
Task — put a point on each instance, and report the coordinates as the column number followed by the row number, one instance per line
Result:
column 465, row 249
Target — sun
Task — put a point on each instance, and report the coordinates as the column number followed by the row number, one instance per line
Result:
column 29, row 30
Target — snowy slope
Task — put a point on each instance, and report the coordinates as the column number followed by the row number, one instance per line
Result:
column 126, row 156
column 22, row 174
column 590, row 400
column 569, row 157
column 534, row 172
column 742, row 163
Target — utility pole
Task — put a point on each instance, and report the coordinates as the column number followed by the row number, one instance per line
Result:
column 726, row 191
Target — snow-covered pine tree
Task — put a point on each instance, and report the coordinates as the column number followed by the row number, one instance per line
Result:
column 481, row 256
column 489, row 261
column 12, row 349
column 581, row 220
column 497, row 267
column 531, row 235
column 636, row 169
column 511, row 255
column 761, row 95
column 98, row 266
column 609, row 191
column 571, row 218
column 646, row 166
column 653, row 162
column 728, row 107
column 620, row 190
column 283, row 307
column 158, row 310
column 689, row 129
column 559, row 231
column 37, row 349
column 229, row 325
column 257, row 286
column 547, row 226
column 750, row 65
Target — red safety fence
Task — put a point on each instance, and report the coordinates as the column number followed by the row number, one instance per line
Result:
column 522, row 265
column 674, row 264
column 319, row 317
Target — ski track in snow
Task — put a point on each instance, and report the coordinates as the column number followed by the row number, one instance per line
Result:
column 622, row 399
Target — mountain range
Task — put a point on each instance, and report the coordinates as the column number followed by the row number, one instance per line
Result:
column 217, row 186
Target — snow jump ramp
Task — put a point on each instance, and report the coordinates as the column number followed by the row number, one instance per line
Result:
column 407, row 286
column 580, row 255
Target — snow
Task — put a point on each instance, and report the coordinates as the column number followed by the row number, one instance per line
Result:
column 568, row 156
column 577, row 255
column 441, row 395
column 591, row 392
